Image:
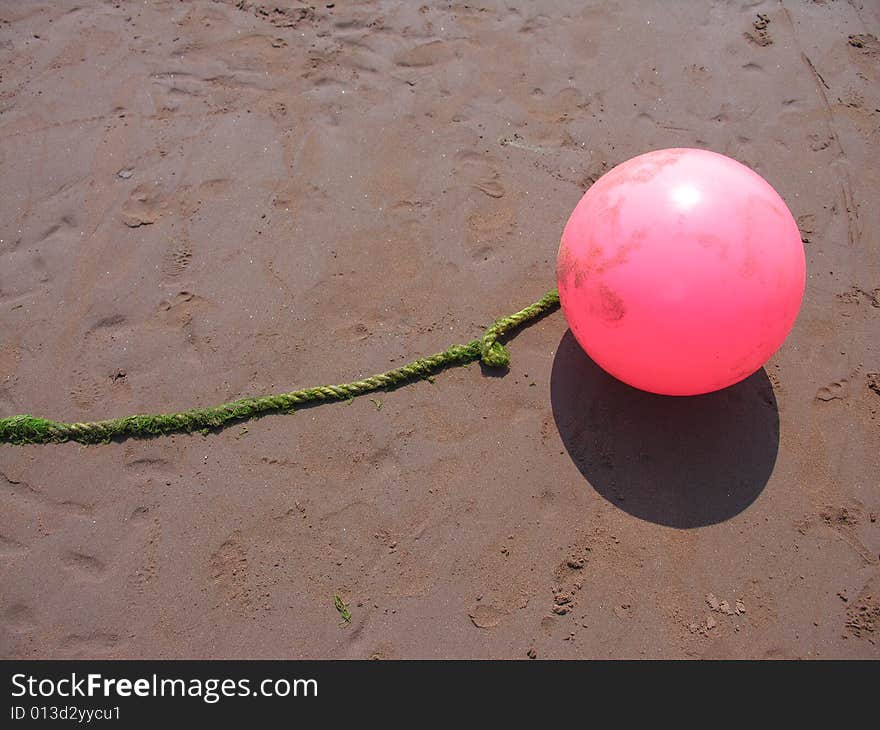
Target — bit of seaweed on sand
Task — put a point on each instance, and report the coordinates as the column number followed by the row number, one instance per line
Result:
column 342, row 607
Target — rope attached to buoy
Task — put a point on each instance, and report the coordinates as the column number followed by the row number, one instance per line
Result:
column 26, row 429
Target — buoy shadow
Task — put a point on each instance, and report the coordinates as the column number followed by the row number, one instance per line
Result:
column 680, row 462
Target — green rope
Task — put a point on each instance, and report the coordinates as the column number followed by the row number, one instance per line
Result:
column 27, row 429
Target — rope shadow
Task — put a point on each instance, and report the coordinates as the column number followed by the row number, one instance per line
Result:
column 677, row 461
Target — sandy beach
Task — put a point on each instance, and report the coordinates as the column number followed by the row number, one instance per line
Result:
column 206, row 200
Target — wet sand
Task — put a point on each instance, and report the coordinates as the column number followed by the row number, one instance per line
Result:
column 206, row 200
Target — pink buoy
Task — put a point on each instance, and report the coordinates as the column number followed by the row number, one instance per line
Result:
column 681, row 271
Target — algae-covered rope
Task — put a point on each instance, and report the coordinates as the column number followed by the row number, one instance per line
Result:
column 25, row 429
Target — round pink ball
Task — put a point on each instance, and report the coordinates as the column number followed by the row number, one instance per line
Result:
column 681, row 271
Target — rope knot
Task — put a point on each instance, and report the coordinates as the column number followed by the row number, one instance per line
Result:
column 492, row 353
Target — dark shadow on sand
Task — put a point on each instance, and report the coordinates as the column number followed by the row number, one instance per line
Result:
column 681, row 462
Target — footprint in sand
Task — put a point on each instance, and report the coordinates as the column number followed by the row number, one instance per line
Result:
column 25, row 493
column 837, row 389
column 96, row 644
column 426, row 54
column 19, row 618
column 149, row 531
column 863, row 614
column 86, row 390
column 9, row 546
column 843, row 520
column 176, row 259
column 27, row 267
column 82, row 566
column 228, row 571
column 491, row 185
column 485, row 616
column 143, row 207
